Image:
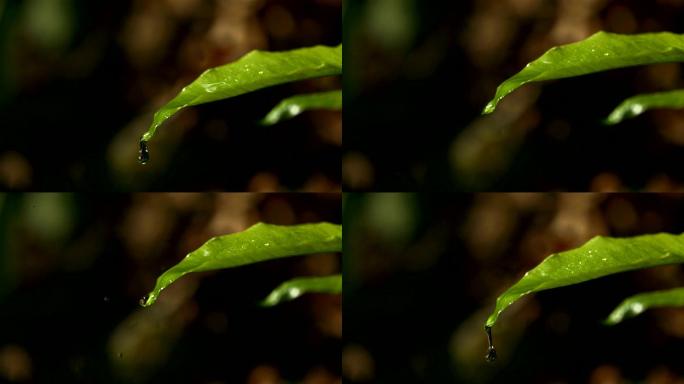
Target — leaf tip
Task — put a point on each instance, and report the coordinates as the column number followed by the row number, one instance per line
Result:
column 489, row 108
column 268, row 302
column 267, row 121
column 609, row 121
column 614, row 118
column 609, row 322
column 271, row 300
column 144, row 301
column 491, row 320
column 614, row 317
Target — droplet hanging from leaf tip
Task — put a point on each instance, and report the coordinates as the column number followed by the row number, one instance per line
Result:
column 491, row 354
column 143, row 301
column 144, row 153
column 491, row 351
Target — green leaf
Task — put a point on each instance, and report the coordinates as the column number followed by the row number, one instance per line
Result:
column 294, row 288
column 293, row 106
column 637, row 304
column 257, row 243
column 599, row 52
column 256, row 70
column 639, row 104
column 599, row 257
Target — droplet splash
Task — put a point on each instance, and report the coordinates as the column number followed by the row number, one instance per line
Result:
column 144, row 153
column 491, row 352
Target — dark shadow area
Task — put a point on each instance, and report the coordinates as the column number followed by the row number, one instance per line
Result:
column 80, row 80
column 418, row 74
column 73, row 269
column 422, row 273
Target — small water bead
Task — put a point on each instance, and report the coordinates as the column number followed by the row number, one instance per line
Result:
column 636, row 308
column 144, row 153
column 143, row 300
column 637, row 109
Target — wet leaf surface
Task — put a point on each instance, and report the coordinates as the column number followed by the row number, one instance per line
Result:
column 637, row 304
column 295, row 288
column 256, row 70
column 295, row 105
column 639, row 104
column 257, row 243
column 599, row 52
column 600, row 256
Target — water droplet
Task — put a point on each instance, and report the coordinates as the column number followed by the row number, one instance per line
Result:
column 144, row 153
column 637, row 308
column 106, row 299
column 143, row 300
column 491, row 352
column 637, row 109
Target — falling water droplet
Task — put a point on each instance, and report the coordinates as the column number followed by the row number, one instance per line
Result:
column 491, row 352
column 143, row 300
column 144, row 153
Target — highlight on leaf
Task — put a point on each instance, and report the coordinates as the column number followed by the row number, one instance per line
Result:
column 639, row 104
column 600, row 256
column 295, row 105
column 295, row 288
column 256, row 70
column 637, row 304
column 257, row 243
column 599, row 52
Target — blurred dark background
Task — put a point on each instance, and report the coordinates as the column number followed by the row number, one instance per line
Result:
column 80, row 80
column 73, row 269
column 418, row 73
column 422, row 273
